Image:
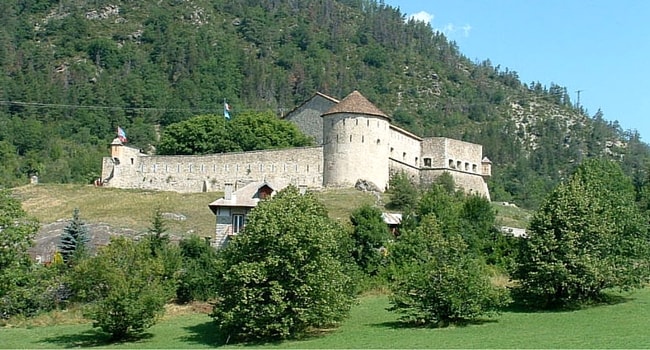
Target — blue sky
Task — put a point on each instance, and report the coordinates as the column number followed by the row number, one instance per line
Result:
column 599, row 47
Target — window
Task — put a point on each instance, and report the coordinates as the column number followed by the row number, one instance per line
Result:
column 451, row 163
column 427, row 162
column 237, row 223
column 474, row 167
column 466, row 166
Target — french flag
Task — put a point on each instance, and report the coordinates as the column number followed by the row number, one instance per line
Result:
column 121, row 134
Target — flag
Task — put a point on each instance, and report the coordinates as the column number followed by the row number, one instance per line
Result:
column 121, row 134
column 226, row 110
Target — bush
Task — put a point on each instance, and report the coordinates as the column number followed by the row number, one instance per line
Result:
column 436, row 282
column 198, row 277
column 371, row 236
column 126, row 286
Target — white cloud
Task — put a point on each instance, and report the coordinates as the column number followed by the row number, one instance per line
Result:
column 422, row 16
column 449, row 29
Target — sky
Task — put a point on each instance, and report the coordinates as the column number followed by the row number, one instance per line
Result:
column 600, row 48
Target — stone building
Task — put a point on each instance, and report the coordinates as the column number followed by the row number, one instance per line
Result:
column 355, row 140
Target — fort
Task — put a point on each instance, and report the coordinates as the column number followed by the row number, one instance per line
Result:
column 355, row 141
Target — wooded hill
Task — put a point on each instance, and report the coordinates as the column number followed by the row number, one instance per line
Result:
column 74, row 70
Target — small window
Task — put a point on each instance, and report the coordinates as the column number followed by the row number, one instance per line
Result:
column 237, row 223
column 350, row 138
column 368, row 122
column 116, row 161
column 474, row 167
column 427, row 162
column 404, row 156
column 378, row 141
column 131, row 161
column 451, row 163
column 363, row 138
column 466, row 166
column 459, row 165
column 416, row 160
column 356, row 122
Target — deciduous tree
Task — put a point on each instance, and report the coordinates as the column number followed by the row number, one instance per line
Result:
column 588, row 236
column 285, row 273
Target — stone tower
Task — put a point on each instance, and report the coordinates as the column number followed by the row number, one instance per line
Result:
column 355, row 143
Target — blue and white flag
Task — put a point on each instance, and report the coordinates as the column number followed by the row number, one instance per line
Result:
column 226, row 110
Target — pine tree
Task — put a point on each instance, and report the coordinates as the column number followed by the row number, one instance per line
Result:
column 74, row 239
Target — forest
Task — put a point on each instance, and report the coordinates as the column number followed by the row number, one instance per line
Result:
column 75, row 70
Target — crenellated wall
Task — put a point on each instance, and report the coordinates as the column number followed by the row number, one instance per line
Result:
column 302, row 166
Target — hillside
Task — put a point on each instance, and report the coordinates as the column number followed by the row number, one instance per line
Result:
column 76, row 69
column 111, row 211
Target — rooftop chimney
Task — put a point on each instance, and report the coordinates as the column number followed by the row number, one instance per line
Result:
column 227, row 191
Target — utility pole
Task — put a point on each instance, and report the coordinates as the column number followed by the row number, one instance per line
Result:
column 578, row 92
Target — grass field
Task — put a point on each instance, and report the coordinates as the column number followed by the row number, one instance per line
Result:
column 620, row 325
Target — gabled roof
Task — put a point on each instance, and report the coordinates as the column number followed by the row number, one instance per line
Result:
column 355, row 103
column 317, row 94
column 247, row 196
column 392, row 218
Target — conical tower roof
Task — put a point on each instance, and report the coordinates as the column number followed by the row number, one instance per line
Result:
column 355, row 103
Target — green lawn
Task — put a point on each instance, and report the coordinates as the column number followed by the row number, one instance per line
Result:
column 621, row 325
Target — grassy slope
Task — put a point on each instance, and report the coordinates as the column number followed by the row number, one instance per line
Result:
column 622, row 325
column 134, row 208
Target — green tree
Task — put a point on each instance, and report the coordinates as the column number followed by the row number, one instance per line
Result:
column 370, row 235
column 158, row 238
column 258, row 131
column 126, row 286
column 436, row 282
column 285, row 273
column 198, row 278
column 74, row 239
column 403, row 193
column 17, row 231
column 588, row 236
column 203, row 134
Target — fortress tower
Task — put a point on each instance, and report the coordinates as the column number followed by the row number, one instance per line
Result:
column 355, row 143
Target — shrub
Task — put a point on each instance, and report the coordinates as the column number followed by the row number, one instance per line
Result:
column 436, row 282
column 127, row 287
column 198, row 277
column 371, row 236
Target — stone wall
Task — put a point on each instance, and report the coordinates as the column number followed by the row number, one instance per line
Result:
column 441, row 152
column 308, row 116
column 470, row 183
column 301, row 166
column 405, row 147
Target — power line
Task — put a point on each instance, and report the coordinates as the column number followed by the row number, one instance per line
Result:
column 114, row 108
column 117, row 108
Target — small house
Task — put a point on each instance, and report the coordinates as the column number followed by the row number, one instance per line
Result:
column 231, row 210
